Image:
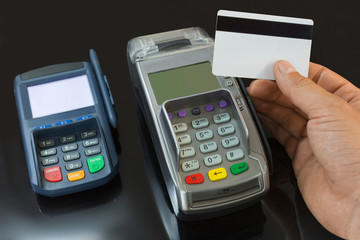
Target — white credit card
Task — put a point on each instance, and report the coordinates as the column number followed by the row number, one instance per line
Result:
column 248, row 44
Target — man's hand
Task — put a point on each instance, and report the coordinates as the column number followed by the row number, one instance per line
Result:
column 318, row 122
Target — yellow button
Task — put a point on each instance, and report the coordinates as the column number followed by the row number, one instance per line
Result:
column 75, row 176
column 217, row 174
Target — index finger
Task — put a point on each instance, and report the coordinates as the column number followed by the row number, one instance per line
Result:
column 268, row 91
column 332, row 82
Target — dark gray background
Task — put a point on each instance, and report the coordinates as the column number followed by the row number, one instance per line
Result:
column 34, row 35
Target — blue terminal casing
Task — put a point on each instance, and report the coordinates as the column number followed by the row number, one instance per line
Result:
column 44, row 133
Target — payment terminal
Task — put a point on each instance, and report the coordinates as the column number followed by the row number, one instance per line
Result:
column 210, row 147
column 66, row 117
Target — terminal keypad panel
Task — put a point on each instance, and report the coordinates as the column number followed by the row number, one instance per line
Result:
column 212, row 149
column 70, row 152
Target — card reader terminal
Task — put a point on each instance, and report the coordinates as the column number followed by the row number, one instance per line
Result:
column 66, row 114
column 210, row 149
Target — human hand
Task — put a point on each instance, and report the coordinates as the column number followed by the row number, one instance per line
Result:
column 318, row 123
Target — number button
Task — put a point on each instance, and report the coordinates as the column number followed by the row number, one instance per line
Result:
column 47, row 143
column 208, row 147
column 179, row 127
column 204, row 135
column 67, row 139
column 184, row 139
column 221, row 118
column 50, row 161
column 226, row 130
column 73, row 165
column 187, row 152
column 92, row 151
column 200, row 123
column 48, row 152
column 190, row 165
column 91, row 142
column 212, row 160
column 88, row 134
column 69, row 147
column 230, row 142
column 71, row 156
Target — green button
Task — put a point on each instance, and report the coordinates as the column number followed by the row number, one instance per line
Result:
column 95, row 164
column 239, row 168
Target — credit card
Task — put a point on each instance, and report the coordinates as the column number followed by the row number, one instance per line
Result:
column 248, row 44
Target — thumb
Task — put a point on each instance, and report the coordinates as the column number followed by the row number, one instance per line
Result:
column 301, row 91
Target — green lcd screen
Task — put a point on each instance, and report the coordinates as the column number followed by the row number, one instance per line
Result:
column 183, row 81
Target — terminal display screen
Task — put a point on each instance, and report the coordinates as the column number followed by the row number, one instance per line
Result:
column 60, row 96
column 183, row 81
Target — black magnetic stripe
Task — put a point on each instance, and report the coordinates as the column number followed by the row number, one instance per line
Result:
column 261, row 27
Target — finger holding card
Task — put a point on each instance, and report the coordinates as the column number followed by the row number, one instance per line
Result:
column 285, row 117
column 336, row 84
column 268, row 91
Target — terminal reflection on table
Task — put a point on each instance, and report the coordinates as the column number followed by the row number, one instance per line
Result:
column 65, row 113
column 209, row 148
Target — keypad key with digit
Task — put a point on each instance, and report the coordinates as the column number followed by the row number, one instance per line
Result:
column 208, row 147
column 184, row 139
column 180, row 127
column 226, row 130
column 221, row 118
column 204, row 135
column 212, row 160
column 200, row 123
column 230, row 142
column 187, row 152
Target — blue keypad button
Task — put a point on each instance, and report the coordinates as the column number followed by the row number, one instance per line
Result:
column 63, row 122
column 84, row 117
column 43, row 126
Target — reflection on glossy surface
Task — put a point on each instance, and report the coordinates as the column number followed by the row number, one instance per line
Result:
column 82, row 200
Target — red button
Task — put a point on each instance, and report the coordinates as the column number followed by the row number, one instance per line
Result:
column 194, row 179
column 53, row 174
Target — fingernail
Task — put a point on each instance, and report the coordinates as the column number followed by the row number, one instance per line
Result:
column 285, row 67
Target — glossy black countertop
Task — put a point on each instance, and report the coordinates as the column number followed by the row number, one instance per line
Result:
column 134, row 205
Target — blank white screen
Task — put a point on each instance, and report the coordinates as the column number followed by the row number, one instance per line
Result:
column 60, row 96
